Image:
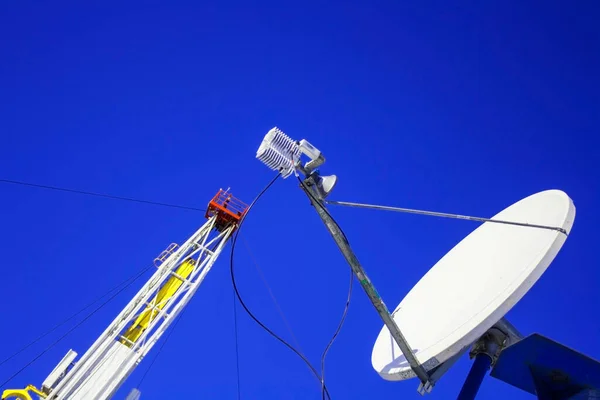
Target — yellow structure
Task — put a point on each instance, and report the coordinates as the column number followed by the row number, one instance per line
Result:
column 168, row 289
column 22, row 394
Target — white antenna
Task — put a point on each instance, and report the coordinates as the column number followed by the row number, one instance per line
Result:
column 280, row 153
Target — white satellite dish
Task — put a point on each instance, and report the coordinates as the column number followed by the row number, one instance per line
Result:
column 475, row 284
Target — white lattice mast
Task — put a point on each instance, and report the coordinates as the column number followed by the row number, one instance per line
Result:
column 100, row 372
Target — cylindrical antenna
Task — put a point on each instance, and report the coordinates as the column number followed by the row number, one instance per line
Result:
column 279, row 152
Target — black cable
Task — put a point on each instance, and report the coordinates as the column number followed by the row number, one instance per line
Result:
column 337, row 331
column 55, row 327
column 231, row 269
column 108, row 196
column 73, row 328
column 262, row 277
column 347, row 306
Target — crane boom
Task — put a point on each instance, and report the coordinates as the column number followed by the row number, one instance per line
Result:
column 105, row 366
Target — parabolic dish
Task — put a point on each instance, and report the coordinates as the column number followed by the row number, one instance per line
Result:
column 475, row 284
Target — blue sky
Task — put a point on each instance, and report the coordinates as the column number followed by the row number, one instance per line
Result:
column 463, row 108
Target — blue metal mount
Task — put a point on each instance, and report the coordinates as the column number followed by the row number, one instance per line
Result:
column 480, row 367
column 549, row 370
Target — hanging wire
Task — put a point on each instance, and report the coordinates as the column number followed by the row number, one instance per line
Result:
column 55, row 327
column 279, row 309
column 47, row 349
column 231, row 269
column 318, row 203
column 335, row 334
column 160, row 348
column 107, row 196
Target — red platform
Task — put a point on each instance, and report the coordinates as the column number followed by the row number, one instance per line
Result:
column 227, row 208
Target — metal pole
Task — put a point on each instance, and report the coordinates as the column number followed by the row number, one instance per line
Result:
column 486, row 351
column 473, row 382
column 444, row 215
column 364, row 280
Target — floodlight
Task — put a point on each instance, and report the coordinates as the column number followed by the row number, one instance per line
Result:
column 281, row 153
column 325, row 184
